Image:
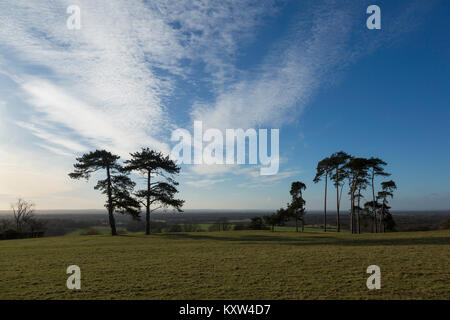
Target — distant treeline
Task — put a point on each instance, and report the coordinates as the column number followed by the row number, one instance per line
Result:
column 91, row 224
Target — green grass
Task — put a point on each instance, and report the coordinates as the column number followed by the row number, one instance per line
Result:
column 101, row 230
column 291, row 228
column 229, row 265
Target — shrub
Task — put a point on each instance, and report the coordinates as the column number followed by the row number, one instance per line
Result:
column 257, row 223
column 175, row 228
column 444, row 224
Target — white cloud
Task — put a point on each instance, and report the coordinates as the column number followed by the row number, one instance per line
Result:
column 204, row 182
column 103, row 81
column 324, row 39
column 258, row 181
column 98, row 128
column 107, row 85
column 43, row 134
column 57, row 151
column 212, row 169
column 250, row 174
column 288, row 76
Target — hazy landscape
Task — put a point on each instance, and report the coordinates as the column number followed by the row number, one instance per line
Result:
column 70, row 222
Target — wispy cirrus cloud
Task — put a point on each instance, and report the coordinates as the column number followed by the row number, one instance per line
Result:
column 111, row 78
column 109, row 85
column 257, row 181
column 249, row 176
column 321, row 42
column 204, row 182
column 51, row 138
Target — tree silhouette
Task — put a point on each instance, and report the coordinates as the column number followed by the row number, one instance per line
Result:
column 388, row 221
column 372, row 207
column 297, row 205
column 375, row 169
column 387, row 191
column 361, row 185
column 338, row 160
column 223, row 224
column 256, row 223
column 276, row 218
column 116, row 186
column 271, row 220
column 323, row 170
column 23, row 212
column 356, row 173
column 161, row 193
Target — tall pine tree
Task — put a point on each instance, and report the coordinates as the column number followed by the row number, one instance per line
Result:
column 117, row 186
column 161, row 193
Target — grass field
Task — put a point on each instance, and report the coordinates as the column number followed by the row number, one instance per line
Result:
column 229, row 265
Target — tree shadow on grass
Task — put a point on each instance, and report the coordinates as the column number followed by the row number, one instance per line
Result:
column 305, row 240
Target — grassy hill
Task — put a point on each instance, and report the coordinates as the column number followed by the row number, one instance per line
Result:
column 229, row 265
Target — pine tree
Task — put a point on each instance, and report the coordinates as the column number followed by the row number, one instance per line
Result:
column 117, row 186
column 152, row 164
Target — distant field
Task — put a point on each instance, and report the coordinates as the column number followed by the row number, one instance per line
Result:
column 229, row 265
column 202, row 227
column 100, row 230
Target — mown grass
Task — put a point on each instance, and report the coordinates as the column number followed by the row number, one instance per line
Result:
column 229, row 265
column 307, row 228
column 100, row 230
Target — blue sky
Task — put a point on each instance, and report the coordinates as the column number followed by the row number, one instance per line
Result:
column 137, row 70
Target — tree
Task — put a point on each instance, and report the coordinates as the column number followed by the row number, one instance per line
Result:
column 372, row 207
column 361, row 185
column 338, row 161
column 271, row 220
column 323, row 170
column 23, row 212
column 117, row 186
column 387, row 191
column 356, row 173
column 297, row 205
column 388, row 220
column 224, row 224
column 6, row 224
column 161, row 193
column 375, row 166
column 276, row 218
column 256, row 223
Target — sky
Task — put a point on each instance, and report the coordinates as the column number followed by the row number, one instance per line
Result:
column 137, row 70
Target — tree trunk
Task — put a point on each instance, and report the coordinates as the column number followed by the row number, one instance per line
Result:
column 374, row 221
column 112, row 222
column 296, row 222
column 338, row 222
column 352, row 207
column 325, row 204
column 351, row 216
column 358, row 217
column 340, row 199
column 381, row 218
column 147, row 207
